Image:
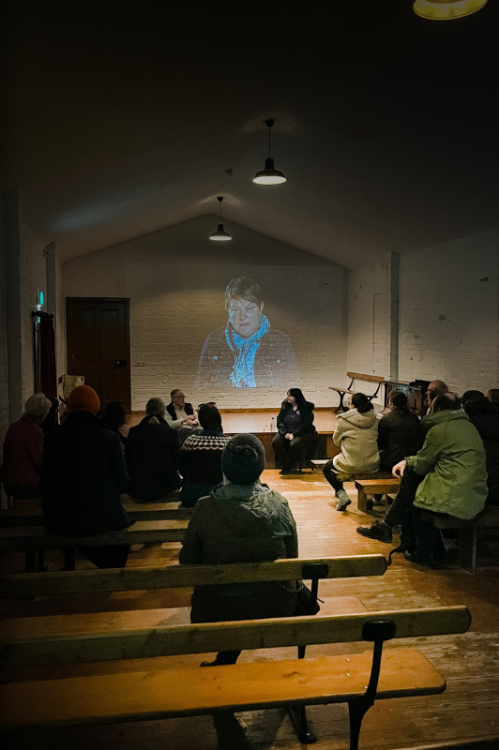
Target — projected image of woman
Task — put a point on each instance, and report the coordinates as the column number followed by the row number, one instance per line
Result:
column 247, row 353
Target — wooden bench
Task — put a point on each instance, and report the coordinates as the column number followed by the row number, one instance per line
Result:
column 468, row 533
column 356, row 376
column 368, row 487
column 13, row 518
column 33, row 539
column 291, row 683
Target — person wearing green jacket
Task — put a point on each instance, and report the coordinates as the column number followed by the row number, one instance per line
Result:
column 448, row 475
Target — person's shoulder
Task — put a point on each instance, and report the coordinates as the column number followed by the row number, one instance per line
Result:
column 309, row 405
column 216, row 336
column 276, row 337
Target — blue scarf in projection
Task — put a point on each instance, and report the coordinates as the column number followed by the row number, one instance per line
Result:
column 243, row 374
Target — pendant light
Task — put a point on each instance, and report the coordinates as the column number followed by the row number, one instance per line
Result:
column 270, row 175
column 220, row 235
column 446, row 10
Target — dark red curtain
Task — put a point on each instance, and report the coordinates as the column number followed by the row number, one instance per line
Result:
column 48, row 377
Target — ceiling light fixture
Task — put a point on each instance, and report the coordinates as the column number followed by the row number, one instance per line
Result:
column 446, row 10
column 270, row 175
column 220, row 235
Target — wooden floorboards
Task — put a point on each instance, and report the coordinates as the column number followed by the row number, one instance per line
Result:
column 469, row 662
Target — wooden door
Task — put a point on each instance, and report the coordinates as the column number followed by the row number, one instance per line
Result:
column 98, row 342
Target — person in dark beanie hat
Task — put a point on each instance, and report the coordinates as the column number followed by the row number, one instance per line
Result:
column 243, row 459
column 242, row 520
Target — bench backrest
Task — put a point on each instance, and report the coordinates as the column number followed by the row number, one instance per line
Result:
column 14, row 518
column 211, row 637
column 180, row 576
column 367, row 378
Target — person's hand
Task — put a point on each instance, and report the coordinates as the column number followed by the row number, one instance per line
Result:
column 189, row 421
column 289, row 436
column 398, row 469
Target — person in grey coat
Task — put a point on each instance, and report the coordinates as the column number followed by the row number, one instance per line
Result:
column 241, row 521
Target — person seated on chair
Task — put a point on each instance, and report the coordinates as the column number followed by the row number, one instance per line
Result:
column 83, row 476
column 356, row 435
column 241, row 521
column 485, row 416
column 435, row 388
column 51, row 421
column 22, row 450
column 179, row 413
column 201, row 457
column 296, row 434
column 448, row 475
column 399, row 433
column 493, row 395
column 152, row 455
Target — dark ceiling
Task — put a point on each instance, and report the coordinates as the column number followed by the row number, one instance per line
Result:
column 122, row 119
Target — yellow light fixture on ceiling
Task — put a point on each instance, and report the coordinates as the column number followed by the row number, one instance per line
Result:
column 220, row 235
column 446, row 10
column 270, row 175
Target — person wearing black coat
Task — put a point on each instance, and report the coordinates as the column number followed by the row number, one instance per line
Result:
column 399, row 433
column 485, row 416
column 297, row 436
column 152, row 455
column 83, row 474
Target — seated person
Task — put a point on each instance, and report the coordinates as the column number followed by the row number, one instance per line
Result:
column 399, row 433
column 22, row 450
column 493, row 395
column 485, row 416
column 296, row 432
column 241, row 521
column 179, row 413
column 152, row 455
column 470, row 396
column 448, row 475
column 201, row 457
column 83, row 476
column 435, row 388
column 114, row 416
column 356, row 435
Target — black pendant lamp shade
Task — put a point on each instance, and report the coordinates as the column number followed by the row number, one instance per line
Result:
column 220, row 235
column 270, row 175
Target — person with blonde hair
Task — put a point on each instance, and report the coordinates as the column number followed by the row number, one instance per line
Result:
column 22, row 450
column 152, row 455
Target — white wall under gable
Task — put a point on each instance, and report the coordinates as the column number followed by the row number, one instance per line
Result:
column 176, row 279
column 448, row 314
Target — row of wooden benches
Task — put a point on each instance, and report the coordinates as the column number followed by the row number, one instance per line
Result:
column 164, row 693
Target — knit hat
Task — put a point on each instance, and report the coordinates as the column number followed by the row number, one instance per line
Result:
column 83, row 398
column 243, row 459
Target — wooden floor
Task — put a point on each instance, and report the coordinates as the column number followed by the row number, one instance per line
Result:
column 469, row 663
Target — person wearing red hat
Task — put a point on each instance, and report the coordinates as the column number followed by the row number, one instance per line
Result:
column 83, row 475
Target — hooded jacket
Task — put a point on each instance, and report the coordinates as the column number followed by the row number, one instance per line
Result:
column 236, row 524
column 357, row 437
column 452, row 461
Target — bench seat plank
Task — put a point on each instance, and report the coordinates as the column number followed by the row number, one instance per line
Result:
column 13, row 518
column 141, row 532
column 112, row 642
column 193, row 691
column 182, row 576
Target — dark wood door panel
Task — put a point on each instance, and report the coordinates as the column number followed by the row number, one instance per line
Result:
column 98, row 341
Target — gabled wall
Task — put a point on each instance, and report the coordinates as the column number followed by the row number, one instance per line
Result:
column 448, row 314
column 175, row 280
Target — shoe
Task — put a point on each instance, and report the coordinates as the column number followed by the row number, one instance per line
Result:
column 296, row 471
column 343, row 500
column 379, row 530
column 210, row 663
column 283, row 472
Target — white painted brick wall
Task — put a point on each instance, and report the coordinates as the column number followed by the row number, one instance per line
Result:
column 449, row 313
column 175, row 280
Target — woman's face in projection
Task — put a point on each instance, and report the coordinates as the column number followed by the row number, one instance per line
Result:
column 245, row 316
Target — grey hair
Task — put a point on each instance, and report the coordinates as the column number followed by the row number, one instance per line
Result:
column 37, row 406
column 155, row 407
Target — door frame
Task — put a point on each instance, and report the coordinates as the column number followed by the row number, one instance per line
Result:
column 126, row 300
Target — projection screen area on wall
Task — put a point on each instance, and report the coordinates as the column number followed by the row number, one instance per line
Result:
column 241, row 336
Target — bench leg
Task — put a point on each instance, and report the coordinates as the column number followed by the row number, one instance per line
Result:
column 300, row 722
column 363, row 502
column 467, row 548
column 357, row 709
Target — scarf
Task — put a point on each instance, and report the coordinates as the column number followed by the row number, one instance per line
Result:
column 243, row 374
